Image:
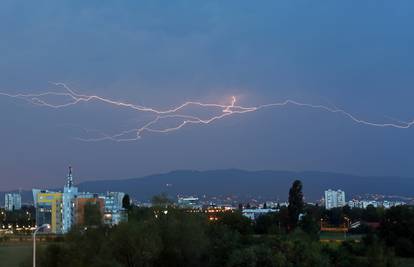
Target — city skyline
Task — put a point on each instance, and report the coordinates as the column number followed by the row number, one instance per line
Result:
column 353, row 56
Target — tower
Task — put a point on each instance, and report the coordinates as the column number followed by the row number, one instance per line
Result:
column 69, row 178
column 69, row 194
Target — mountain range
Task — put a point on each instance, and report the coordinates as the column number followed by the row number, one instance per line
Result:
column 246, row 184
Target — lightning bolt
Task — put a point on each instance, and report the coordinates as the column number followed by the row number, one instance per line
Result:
column 176, row 113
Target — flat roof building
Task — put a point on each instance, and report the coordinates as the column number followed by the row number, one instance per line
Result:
column 334, row 199
column 82, row 201
column 12, row 201
column 49, row 210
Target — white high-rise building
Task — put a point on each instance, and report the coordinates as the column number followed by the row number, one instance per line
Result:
column 69, row 194
column 114, row 211
column 12, row 201
column 334, row 199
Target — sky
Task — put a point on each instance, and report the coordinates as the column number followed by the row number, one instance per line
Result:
column 355, row 55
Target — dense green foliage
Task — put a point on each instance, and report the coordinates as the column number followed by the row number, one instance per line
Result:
column 168, row 236
column 92, row 215
column 397, row 230
column 126, row 202
column 174, row 237
column 161, row 200
column 296, row 204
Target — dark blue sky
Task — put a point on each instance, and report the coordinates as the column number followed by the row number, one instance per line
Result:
column 355, row 54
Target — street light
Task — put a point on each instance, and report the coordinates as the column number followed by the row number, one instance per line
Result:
column 34, row 241
column 347, row 219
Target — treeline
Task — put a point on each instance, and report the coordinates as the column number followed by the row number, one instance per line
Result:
column 168, row 236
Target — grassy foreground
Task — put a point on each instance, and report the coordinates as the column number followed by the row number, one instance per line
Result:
column 12, row 254
column 329, row 236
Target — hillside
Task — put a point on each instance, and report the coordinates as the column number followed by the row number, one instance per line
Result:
column 267, row 184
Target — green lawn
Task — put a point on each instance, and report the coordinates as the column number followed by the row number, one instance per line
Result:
column 406, row 262
column 12, row 254
column 338, row 236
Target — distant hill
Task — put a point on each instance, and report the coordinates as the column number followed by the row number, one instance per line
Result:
column 267, row 184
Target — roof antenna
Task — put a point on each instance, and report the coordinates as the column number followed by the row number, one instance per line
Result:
column 70, row 178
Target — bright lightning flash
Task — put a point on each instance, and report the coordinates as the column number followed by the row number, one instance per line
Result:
column 177, row 113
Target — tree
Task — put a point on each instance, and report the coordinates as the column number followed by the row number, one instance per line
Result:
column 397, row 230
column 236, row 221
column 310, row 226
column 184, row 239
column 126, row 202
column 136, row 244
column 372, row 214
column 268, row 223
column 295, row 204
column 161, row 200
column 223, row 240
column 257, row 255
column 301, row 250
column 92, row 215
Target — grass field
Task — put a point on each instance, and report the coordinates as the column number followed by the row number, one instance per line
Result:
column 12, row 254
column 406, row 262
column 329, row 236
column 334, row 240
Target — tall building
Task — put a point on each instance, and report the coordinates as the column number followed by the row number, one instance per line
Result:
column 12, row 201
column 49, row 210
column 334, row 199
column 64, row 210
column 114, row 213
column 69, row 194
column 84, row 199
column 113, row 201
column 35, row 192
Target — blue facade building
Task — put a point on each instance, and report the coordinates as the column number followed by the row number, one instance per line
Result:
column 69, row 194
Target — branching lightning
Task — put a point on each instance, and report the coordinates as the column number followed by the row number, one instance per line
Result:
column 72, row 98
